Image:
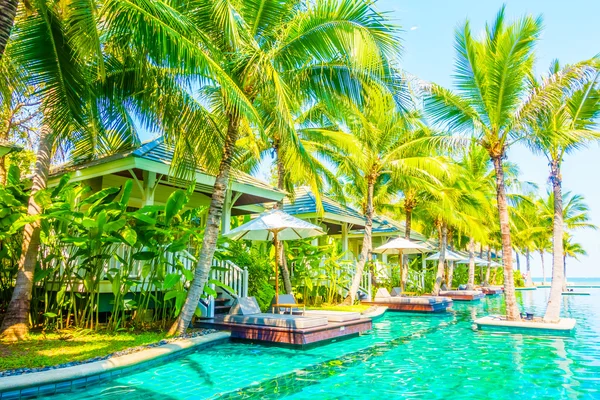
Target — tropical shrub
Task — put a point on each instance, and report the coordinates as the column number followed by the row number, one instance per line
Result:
column 101, row 262
column 13, row 200
column 259, row 265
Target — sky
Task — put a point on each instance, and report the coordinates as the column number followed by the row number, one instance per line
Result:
column 571, row 33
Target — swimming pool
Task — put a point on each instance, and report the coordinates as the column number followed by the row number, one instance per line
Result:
column 404, row 356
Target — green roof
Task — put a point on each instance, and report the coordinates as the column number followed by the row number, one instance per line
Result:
column 156, row 156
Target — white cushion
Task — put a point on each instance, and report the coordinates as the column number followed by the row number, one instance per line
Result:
column 277, row 320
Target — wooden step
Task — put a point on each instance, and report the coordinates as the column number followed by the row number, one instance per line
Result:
column 222, row 309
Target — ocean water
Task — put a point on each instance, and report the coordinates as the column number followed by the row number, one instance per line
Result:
column 405, row 356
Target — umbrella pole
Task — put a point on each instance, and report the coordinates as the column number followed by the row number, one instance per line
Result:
column 276, row 242
column 401, row 263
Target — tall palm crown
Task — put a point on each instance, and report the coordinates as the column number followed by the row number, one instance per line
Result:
column 283, row 55
column 385, row 143
column 562, row 126
column 491, row 103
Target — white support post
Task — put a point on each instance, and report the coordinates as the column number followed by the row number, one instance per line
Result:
column 345, row 241
column 149, row 186
column 424, row 267
column 245, row 284
column 226, row 216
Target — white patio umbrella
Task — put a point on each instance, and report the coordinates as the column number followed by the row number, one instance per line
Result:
column 450, row 256
column 478, row 261
column 275, row 225
column 402, row 246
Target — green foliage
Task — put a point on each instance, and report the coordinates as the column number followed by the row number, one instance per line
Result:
column 12, row 207
column 260, row 267
column 86, row 239
column 54, row 348
column 518, row 278
column 320, row 272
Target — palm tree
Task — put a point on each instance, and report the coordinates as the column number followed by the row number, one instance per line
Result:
column 572, row 250
column 280, row 53
column 565, row 125
column 8, row 11
column 479, row 179
column 384, row 143
column 575, row 215
column 89, row 89
column 492, row 103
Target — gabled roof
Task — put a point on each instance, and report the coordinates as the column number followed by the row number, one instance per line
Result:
column 305, row 204
column 385, row 226
column 156, row 156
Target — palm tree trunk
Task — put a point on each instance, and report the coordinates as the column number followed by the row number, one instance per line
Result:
column 529, row 281
column 285, row 272
column 404, row 258
column 518, row 261
column 512, row 312
column 543, row 267
column 565, row 272
column 367, row 243
column 443, row 238
column 8, row 11
column 471, row 281
column 16, row 325
column 558, row 276
column 211, row 233
column 488, row 271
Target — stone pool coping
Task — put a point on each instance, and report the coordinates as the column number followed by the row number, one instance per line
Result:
column 57, row 380
column 564, row 325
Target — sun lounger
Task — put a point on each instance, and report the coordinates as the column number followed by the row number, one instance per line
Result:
column 245, row 321
column 410, row 303
column 333, row 316
column 463, row 295
column 278, row 320
column 291, row 307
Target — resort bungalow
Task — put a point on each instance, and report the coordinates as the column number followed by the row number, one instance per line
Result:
column 149, row 166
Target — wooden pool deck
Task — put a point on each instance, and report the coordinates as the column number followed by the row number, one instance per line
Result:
column 463, row 296
column 491, row 291
column 438, row 307
column 289, row 336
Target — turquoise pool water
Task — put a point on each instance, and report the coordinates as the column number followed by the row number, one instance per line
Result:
column 404, row 356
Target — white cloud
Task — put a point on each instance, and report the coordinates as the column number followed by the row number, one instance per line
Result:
column 414, row 28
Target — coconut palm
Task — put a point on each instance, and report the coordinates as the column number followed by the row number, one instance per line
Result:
column 575, row 215
column 89, row 86
column 564, row 126
column 375, row 145
column 571, row 249
column 493, row 103
column 479, row 179
column 8, row 11
column 280, row 53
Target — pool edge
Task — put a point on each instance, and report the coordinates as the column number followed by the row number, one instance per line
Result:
column 56, row 380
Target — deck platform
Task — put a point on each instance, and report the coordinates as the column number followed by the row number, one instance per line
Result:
column 537, row 327
column 455, row 295
column 491, row 291
column 289, row 336
column 438, row 307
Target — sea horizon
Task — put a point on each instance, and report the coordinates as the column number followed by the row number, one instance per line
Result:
column 570, row 279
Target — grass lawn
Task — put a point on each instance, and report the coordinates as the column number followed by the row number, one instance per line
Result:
column 334, row 307
column 44, row 350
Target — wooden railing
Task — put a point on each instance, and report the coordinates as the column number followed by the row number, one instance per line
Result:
column 232, row 276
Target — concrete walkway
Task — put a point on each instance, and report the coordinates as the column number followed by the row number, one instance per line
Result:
column 63, row 379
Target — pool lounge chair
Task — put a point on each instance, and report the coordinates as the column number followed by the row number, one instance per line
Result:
column 410, row 303
column 463, row 295
column 290, row 306
column 245, row 321
column 246, row 311
column 491, row 290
